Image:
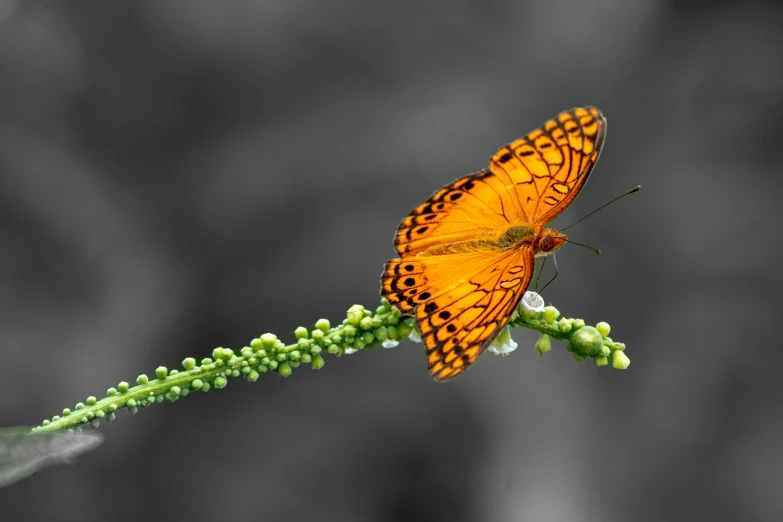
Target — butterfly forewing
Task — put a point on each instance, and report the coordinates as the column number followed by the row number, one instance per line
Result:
column 549, row 166
column 470, row 208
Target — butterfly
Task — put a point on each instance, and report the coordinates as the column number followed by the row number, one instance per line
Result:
column 467, row 254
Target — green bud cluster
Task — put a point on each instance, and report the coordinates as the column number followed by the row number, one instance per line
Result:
column 583, row 341
column 361, row 329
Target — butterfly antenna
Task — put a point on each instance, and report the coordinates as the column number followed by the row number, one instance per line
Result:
column 553, row 277
column 597, row 251
column 637, row 187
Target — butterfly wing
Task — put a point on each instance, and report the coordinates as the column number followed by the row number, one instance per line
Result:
column 460, row 301
column 549, row 166
column 462, row 297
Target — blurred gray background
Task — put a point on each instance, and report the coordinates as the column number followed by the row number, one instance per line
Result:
column 183, row 174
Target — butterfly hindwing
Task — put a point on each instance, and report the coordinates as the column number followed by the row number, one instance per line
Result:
column 459, row 324
column 460, row 301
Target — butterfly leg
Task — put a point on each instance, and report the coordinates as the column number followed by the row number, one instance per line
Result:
column 554, row 259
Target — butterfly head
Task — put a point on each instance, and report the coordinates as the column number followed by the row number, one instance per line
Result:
column 549, row 241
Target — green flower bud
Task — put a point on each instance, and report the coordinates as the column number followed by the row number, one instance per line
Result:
column 318, row 362
column 544, row 344
column 603, row 328
column 161, row 372
column 586, row 341
column 381, row 333
column 301, row 333
column 600, row 360
column 366, row 323
column 550, row 314
column 323, row 325
column 223, row 354
column 284, row 370
column 620, row 360
column 123, row 387
column 268, row 340
column 393, row 333
column 355, row 315
column 564, row 325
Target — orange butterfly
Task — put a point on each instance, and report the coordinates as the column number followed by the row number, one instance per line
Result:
column 468, row 253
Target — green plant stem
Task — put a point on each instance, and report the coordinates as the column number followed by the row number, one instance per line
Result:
column 360, row 330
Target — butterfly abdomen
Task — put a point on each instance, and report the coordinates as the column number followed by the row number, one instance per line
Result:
column 513, row 237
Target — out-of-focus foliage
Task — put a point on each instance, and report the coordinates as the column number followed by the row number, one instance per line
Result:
column 180, row 175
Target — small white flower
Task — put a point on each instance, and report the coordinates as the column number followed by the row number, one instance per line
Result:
column 389, row 343
column 349, row 351
column 415, row 335
column 531, row 304
column 503, row 343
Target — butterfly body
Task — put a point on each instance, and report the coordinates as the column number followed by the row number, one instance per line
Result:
column 542, row 241
column 467, row 254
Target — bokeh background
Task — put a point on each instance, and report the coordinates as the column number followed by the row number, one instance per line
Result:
column 183, row 174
